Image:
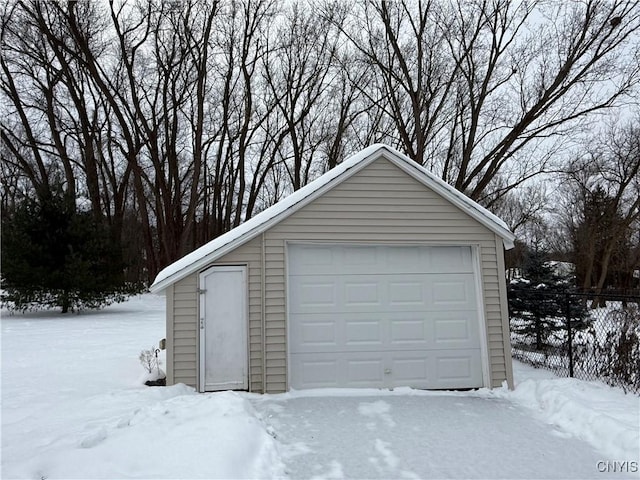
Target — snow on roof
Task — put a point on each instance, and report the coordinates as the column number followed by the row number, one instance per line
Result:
column 285, row 207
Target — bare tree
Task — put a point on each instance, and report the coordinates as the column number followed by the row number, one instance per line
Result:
column 298, row 74
column 606, row 205
column 177, row 121
column 238, row 160
column 473, row 87
column 25, row 62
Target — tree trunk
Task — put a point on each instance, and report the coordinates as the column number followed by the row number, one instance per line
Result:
column 539, row 344
column 65, row 302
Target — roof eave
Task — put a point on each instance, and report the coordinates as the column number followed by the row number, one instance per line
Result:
column 417, row 172
column 157, row 287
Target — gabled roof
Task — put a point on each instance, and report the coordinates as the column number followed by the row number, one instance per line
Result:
column 223, row 244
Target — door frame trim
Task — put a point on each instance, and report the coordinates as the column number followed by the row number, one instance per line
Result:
column 483, row 334
column 201, row 326
column 478, row 281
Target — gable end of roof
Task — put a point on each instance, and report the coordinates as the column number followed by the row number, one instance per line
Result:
column 260, row 223
column 475, row 210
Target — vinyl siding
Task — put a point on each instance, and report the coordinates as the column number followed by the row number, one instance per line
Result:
column 183, row 302
column 507, row 373
column 183, row 340
column 169, row 333
column 379, row 204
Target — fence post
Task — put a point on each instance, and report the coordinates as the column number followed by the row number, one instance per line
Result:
column 569, row 332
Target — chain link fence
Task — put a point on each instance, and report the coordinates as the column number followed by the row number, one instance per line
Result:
column 593, row 339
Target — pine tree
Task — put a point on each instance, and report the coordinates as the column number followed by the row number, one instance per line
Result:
column 541, row 300
column 56, row 256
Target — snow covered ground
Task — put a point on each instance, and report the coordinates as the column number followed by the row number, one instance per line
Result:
column 73, row 407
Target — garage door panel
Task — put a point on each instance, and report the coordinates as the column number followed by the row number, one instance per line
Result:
column 398, row 259
column 394, row 331
column 407, row 292
column 382, row 293
column 412, row 368
column 315, row 333
column 315, row 293
column 310, row 259
column 330, row 332
column 358, row 257
column 437, row 369
column 365, row 370
column 418, row 369
column 452, row 291
column 359, row 292
column 455, row 369
column 363, row 333
column 383, row 316
column 384, row 331
column 317, row 371
column 408, row 331
column 454, row 330
column 453, row 258
column 314, row 259
column 322, row 370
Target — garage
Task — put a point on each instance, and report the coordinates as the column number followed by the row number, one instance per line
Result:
column 377, row 274
column 383, row 316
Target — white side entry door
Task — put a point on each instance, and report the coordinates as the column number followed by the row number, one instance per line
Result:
column 223, row 329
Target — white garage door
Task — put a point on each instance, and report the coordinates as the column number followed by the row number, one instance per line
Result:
column 383, row 316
